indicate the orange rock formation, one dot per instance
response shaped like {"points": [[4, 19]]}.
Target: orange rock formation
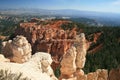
{"points": [[48, 36]]}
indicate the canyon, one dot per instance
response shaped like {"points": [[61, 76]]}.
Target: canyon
{"points": [[43, 46]]}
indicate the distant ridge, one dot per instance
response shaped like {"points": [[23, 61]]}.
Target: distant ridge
{"points": [[65, 12], [102, 17]]}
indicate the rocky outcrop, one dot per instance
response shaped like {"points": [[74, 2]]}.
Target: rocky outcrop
{"points": [[68, 66], [48, 36], [74, 59], [3, 37], [37, 68], [80, 75], [64, 48], [114, 74], [92, 76], [100, 74], [17, 50], [81, 51]]}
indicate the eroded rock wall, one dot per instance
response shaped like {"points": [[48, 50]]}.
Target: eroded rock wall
{"points": [[48, 36]]}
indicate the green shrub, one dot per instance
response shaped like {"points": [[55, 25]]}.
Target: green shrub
{"points": [[7, 75], [57, 72]]}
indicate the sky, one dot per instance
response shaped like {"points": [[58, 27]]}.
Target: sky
{"points": [[86, 5]]}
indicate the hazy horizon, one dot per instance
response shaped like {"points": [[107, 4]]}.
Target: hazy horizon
{"points": [[112, 6]]}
